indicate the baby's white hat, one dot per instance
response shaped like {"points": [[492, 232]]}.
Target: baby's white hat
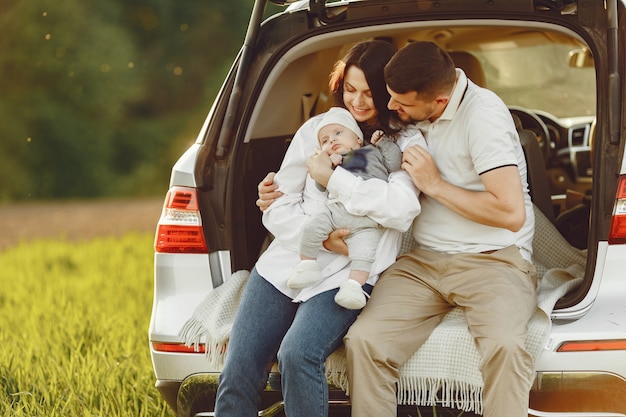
{"points": [[340, 116]]}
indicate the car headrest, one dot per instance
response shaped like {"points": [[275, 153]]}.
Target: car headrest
{"points": [[470, 65]]}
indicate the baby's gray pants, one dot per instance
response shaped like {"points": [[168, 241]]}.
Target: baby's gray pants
{"points": [[362, 242]]}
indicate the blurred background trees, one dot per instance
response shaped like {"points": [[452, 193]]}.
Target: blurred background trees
{"points": [[99, 98]]}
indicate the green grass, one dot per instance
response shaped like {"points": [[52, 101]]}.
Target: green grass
{"points": [[73, 329]]}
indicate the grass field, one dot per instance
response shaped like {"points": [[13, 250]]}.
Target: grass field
{"points": [[73, 328], [75, 308]]}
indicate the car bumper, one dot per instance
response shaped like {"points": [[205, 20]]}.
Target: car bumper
{"points": [[553, 394]]}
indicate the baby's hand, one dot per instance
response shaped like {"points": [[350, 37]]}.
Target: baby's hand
{"points": [[376, 136], [336, 159]]}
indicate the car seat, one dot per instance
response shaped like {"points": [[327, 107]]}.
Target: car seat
{"points": [[470, 65]]}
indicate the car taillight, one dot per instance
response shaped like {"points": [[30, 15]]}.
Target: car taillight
{"points": [[180, 226], [617, 233], [177, 348], [592, 345]]}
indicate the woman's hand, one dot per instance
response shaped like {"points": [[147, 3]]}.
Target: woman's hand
{"points": [[320, 167], [268, 192], [335, 242]]}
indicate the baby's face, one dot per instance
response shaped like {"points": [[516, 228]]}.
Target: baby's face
{"points": [[336, 138]]}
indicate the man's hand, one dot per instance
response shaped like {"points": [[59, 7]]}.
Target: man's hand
{"points": [[422, 169], [335, 242], [268, 192], [320, 167]]}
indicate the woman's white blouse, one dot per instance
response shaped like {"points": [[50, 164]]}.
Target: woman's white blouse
{"points": [[393, 204]]}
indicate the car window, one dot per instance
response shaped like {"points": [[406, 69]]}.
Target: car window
{"points": [[540, 77]]}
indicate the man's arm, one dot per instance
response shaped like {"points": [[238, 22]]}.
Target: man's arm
{"points": [[500, 205]]}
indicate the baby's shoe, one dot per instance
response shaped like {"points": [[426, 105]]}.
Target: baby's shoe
{"points": [[305, 274], [351, 295]]}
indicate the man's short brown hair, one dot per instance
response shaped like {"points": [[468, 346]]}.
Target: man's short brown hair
{"points": [[422, 67]]}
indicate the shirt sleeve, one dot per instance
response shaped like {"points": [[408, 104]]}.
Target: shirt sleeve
{"points": [[285, 217], [393, 204], [492, 136]]}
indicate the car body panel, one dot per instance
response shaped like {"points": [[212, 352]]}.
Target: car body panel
{"points": [[297, 48]]}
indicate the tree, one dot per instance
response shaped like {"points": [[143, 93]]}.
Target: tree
{"points": [[99, 98], [67, 76]]}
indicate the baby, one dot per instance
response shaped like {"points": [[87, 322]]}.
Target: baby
{"points": [[341, 138]]}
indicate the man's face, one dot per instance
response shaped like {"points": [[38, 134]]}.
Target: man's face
{"points": [[412, 108]]}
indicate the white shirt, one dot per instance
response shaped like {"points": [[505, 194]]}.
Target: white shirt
{"points": [[375, 198], [474, 134]]}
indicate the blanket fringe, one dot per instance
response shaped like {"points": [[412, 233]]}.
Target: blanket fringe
{"points": [[438, 391], [336, 372], [191, 333], [414, 390], [195, 334]]}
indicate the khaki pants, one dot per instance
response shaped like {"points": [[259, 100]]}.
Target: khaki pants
{"points": [[498, 293]]}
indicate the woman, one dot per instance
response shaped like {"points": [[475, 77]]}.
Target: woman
{"points": [[303, 327]]}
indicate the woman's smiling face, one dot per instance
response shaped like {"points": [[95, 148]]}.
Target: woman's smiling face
{"points": [[357, 96]]}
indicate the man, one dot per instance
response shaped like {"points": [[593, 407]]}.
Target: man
{"points": [[473, 237]]}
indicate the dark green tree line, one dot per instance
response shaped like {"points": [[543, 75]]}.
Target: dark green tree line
{"points": [[99, 98]]}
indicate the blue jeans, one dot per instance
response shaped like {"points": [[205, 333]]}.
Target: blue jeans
{"points": [[302, 335]]}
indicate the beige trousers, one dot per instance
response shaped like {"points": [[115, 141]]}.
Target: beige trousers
{"points": [[498, 293]]}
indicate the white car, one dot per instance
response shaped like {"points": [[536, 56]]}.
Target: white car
{"points": [[560, 65]]}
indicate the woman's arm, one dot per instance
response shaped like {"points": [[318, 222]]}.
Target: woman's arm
{"points": [[286, 215], [393, 204]]}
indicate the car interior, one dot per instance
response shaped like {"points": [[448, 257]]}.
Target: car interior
{"points": [[535, 70]]}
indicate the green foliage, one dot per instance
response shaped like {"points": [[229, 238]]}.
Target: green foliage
{"points": [[100, 94], [64, 81], [74, 323]]}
